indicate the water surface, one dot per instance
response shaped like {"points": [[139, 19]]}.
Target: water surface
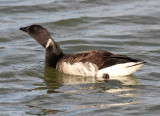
{"points": [[28, 87]]}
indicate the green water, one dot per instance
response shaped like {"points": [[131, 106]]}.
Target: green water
{"points": [[28, 87]]}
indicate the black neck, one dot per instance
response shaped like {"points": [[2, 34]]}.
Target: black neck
{"points": [[53, 55]]}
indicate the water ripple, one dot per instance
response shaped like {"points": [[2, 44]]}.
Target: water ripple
{"points": [[125, 27]]}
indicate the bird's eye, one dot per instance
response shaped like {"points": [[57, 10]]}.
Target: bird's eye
{"points": [[33, 29]]}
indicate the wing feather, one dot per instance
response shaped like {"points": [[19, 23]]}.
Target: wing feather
{"points": [[100, 58]]}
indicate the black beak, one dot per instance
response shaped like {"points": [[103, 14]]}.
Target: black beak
{"points": [[23, 29]]}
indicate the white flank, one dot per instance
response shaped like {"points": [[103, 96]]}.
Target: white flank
{"points": [[83, 69], [48, 43], [120, 69]]}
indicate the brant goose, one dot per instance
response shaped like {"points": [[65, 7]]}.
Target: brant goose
{"points": [[97, 63]]}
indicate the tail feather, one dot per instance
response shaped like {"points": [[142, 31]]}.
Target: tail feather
{"points": [[121, 69], [138, 63]]}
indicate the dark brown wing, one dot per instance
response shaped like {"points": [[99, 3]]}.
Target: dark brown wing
{"points": [[101, 58]]}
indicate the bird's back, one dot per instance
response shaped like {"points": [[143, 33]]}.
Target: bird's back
{"points": [[88, 63]]}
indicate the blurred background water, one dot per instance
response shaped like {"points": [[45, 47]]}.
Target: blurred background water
{"points": [[28, 87]]}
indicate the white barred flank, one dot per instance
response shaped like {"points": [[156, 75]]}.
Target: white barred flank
{"points": [[79, 68]]}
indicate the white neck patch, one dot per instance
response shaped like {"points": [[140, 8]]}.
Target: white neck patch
{"points": [[48, 43]]}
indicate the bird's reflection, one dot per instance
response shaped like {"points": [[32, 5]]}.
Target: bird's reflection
{"points": [[53, 76], [122, 86], [118, 86]]}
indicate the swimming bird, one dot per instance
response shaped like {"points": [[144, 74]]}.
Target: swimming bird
{"points": [[96, 63]]}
